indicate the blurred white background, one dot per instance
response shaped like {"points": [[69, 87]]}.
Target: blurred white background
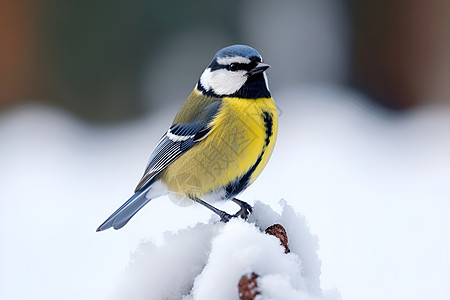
{"points": [[363, 150]]}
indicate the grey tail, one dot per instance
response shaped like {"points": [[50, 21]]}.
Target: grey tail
{"points": [[122, 215]]}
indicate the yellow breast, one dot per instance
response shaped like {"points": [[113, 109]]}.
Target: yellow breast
{"points": [[241, 141]]}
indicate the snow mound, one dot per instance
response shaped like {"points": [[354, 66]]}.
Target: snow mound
{"points": [[206, 261]]}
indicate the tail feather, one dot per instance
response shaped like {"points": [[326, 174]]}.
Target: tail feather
{"points": [[128, 212], [124, 213]]}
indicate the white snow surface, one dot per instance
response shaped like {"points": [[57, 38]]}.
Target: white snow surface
{"points": [[373, 186], [206, 261]]}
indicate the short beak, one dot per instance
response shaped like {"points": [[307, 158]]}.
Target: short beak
{"points": [[260, 67]]}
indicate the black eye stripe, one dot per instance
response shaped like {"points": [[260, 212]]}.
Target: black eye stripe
{"points": [[236, 66]]}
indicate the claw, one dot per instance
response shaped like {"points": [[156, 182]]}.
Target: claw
{"points": [[245, 210], [226, 217]]}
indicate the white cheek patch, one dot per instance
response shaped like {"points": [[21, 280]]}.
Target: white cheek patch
{"points": [[206, 78], [223, 81], [233, 59]]}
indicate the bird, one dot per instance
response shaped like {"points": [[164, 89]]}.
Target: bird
{"points": [[219, 142]]}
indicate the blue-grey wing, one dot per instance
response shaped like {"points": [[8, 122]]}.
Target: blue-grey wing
{"points": [[177, 140]]}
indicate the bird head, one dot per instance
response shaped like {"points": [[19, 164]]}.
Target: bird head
{"points": [[235, 71]]}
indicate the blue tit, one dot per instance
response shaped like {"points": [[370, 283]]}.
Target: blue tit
{"points": [[218, 143]]}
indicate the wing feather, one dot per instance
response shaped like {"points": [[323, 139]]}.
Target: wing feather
{"points": [[177, 140]]}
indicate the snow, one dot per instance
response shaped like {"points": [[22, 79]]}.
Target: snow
{"points": [[206, 261], [373, 187], [168, 271]]}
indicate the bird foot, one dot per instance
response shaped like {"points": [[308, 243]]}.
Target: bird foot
{"points": [[226, 217], [245, 210]]}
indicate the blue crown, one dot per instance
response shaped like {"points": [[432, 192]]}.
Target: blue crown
{"points": [[237, 50]]}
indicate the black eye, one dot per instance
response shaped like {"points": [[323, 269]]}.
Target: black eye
{"points": [[233, 67]]}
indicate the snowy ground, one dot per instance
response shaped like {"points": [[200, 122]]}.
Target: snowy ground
{"points": [[374, 189], [206, 261]]}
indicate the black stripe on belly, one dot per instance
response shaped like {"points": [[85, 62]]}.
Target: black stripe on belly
{"points": [[237, 186]]}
